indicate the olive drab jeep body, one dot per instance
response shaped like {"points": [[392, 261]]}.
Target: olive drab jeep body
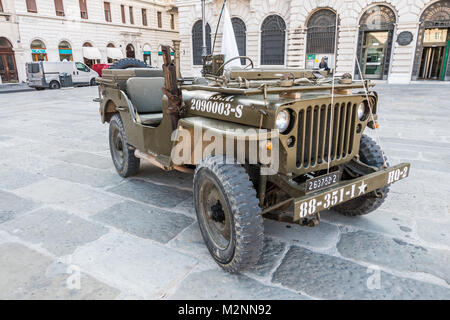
{"points": [[317, 123]]}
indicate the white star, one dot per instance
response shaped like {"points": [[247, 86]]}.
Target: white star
{"points": [[362, 188]]}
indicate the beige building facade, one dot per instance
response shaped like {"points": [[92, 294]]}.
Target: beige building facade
{"points": [[395, 40], [90, 31]]}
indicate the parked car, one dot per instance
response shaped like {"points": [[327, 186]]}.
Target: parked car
{"points": [[99, 67], [45, 74]]}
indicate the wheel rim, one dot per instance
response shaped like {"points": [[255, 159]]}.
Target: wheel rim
{"points": [[117, 147], [215, 213]]}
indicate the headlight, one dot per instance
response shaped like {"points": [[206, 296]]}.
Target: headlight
{"points": [[283, 120], [362, 111]]}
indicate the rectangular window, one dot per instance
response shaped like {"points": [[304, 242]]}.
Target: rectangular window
{"points": [[59, 8], [131, 15], [31, 6], [159, 19], [107, 6], [144, 17], [83, 9], [172, 21], [122, 11]]}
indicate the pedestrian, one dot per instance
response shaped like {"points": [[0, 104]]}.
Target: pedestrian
{"points": [[324, 65]]}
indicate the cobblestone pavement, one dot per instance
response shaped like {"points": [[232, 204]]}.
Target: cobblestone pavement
{"points": [[71, 228]]}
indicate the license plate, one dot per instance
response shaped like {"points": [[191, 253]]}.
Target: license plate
{"points": [[346, 191], [322, 182]]}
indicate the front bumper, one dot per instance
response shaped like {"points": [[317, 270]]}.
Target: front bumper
{"points": [[348, 190]]}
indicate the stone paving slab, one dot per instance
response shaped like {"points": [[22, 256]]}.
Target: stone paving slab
{"points": [[136, 266], [144, 221], [17, 178], [26, 274], [78, 174], [394, 253], [322, 237], [217, 284], [382, 221], [88, 159], [328, 277], [151, 193], [12, 205], [56, 231]]}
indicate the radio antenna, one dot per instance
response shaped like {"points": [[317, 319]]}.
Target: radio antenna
{"points": [[217, 27]]}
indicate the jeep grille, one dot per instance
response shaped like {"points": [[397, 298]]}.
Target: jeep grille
{"points": [[314, 133]]}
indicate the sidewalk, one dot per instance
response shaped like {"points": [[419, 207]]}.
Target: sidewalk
{"points": [[14, 87]]}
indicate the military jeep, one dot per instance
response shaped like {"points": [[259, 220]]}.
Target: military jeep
{"points": [[310, 123]]}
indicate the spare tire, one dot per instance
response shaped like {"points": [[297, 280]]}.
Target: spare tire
{"points": [[128, 63]]}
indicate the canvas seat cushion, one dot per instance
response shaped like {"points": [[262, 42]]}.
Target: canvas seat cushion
{"points": [[146, 94], [151, 119]]}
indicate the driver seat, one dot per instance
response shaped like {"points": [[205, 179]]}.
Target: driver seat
{"points": [[146, 96]]}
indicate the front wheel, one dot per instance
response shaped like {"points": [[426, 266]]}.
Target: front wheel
{"points": [[54, 85], [92, 82], [369, 153], [228, 214], [126, 163]]}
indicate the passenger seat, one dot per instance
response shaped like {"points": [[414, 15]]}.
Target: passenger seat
{"points": [[146, 96]]}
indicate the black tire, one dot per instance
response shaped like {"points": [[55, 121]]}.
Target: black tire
{"points": [[128, 63], [122, 154], [238, 208], [369, 153], [93, 82], [54, 85]]}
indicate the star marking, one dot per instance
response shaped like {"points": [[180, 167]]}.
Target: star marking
{"points": [[362, 188]]}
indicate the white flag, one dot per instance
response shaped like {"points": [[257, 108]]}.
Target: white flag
{"points": [[229, 45]]}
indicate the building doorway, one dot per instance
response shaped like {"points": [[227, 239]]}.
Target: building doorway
{"points": [[374, 51], [435, 53], [8, 68], [376, 32], [130, 51], [432, 58]]}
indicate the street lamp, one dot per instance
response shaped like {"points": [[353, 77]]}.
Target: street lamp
{"points": [[204, 50]]}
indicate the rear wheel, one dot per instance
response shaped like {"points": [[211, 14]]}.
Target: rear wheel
{"points": [[126, 163], [228, 214], [369, 153]]}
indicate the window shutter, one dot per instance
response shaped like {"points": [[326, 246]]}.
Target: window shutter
{"points": [[122, 10], [83, 8], [59, 5], [31, 6]]}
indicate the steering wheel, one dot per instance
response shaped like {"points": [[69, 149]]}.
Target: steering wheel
{"points": [[238, 57]]}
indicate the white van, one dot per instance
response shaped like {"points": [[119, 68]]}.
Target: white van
{"points": [[45, 74]]}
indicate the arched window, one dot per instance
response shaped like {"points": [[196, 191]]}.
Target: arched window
{"points": [[273, 40], [376, 31], [241, 38], [197, 42], [130, 51], [110, 45], [65, 51], [321, 32], [38, 51], [87, 44]]}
